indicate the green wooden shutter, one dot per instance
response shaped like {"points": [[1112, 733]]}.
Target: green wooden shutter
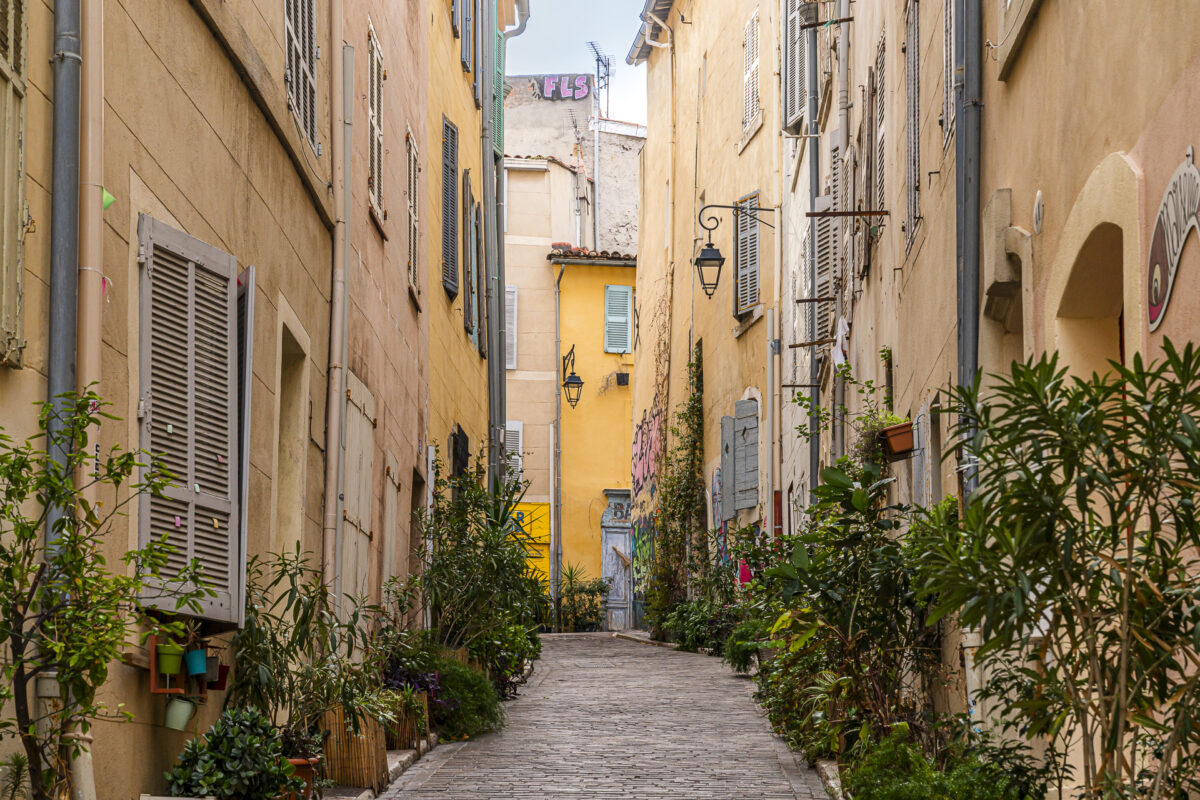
{"points": [[450, 207], [618, 319], [189, 408], [498, 97]]}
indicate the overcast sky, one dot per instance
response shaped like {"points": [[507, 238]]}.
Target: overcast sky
{"points": [[555, 42]]}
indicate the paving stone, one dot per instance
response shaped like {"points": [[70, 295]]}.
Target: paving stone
{"points": [[605, 717]]}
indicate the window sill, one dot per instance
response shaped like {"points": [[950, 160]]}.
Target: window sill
{"points": [[1017, 21], [414, 294], [748, 133], [747, 321], [377, 218]]}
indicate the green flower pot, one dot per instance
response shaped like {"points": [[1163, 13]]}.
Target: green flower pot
{"points": [[170, 658], [179, 713]]}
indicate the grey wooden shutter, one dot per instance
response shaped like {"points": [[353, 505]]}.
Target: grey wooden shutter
{"points": [[747, 261], [414, 232], [880, 128], [450, 207], [618, 319], [455, 23], [498, 96], [514, 431], [391, 515], [468, 254], [13, 215], [750, 62], [948, 108], [467, 43], [189, 407], [824, 288], [375, 120], [481, 275], [301, 71], [245, 374], [745, 447], [795, 87], [510, 327], [360, 486], [728, 470], [912, 122]]}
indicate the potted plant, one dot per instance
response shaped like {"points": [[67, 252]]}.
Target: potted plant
{"points": [[179, 712], [897, 438], [170, 656], [240, 757], [195, 657]]}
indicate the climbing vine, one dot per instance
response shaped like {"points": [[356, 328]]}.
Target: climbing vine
{"points": [[680, 543]]}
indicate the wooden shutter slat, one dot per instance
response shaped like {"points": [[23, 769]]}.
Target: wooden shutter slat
{"points": [[728, 470], [510, 327], [498, 97], [618, 318], [450, 208], [745, 442]]}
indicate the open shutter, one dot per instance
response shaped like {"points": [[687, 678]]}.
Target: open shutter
{"points": [[498, 97], [514, 431], [391, 516], [824, 288], [618, 319], [746, 290], [912, 123], [948, 108], [880, 145], [13, 215], [245, 375], [510, 327], [795, 95], [359, 486], [481, 305], [450, 207], [467, 42], [414, 172], [728, 470], [375, 120], [189, 408], [837, 200], [750, 71], [745, 447], [468, 254]]}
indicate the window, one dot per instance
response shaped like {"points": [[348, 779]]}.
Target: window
{"points": [[513, 453], [747, 261], [948, 107], [750, 72], [449, 207], [618, 319], [795, 65], [912, 123], [13, 87], [470, 278], [466, 51], [510, 327], [301, 72], [195, 338], [376, 77], [414, 195]]}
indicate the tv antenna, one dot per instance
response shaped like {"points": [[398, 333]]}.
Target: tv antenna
{"points": [[603, 73]]}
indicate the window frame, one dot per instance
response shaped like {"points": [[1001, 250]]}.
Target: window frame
{"points": [[751, 76], [14, 214], [300, 50], [376, 75]]}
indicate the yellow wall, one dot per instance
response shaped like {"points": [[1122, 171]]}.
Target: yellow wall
{"points": [[534, 519], [595, 434]]}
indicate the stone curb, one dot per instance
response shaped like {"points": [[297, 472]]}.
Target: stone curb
{"points": [[643, 640], [831, 777]]}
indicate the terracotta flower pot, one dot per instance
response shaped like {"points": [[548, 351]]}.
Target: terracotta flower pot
{"points": [[306, 770], [897, 439]]}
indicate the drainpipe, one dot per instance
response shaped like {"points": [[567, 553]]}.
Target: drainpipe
{"points": [[556, 531], [522, 20], [596, 176], [814, 189], [341, 88], [496, 387], [843, 55], [968, 91]]}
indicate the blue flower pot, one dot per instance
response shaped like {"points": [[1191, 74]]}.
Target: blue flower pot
{"points": [[196, 662]]}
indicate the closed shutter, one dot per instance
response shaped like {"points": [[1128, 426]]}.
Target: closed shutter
{"points": [[481, 305], [13, 87], [414, 231], [750, 63], [189, 408], [456, 16], [795, 87], [948, 107], [245, 382], [837, 200], [747, 261], [912, 123], [498, 97], [468, 251], [728, 470], [824, 288], [450, 207], [466, 51], [301, 71], [880, 128], [510, 327], [375, 120], [391, 517], [359, 488], [618, 319], [514, 453], [870, 167], [745, 448]]}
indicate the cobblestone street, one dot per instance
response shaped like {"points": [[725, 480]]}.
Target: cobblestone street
{"points": [[603, 717]]}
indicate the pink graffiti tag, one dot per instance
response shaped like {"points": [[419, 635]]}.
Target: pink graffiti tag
{"points": [[551, 85]]}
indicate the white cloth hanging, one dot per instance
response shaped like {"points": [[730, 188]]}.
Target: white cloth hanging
{"points": [[841, 343]]}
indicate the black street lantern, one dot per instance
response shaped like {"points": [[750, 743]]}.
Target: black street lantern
{"points": [[573, 385], [708, 268]]}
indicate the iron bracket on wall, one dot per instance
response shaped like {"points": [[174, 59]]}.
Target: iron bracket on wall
{"points": [[715, 220]]}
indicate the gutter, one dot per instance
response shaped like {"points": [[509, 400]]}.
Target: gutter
{"points": [[556, 530], [522, 20], [968, 92], [814, 189]]}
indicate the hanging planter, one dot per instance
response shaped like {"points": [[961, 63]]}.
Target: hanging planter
{"points": [[212, 669], [179, 712], [196, 662], [170, 657], [897, 440]]}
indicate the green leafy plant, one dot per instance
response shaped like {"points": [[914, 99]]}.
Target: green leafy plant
{"points": [[63, 609], [504, 652], [1076, 560], [241, 757], [581, 600], [14, 785], [743, 647], [466, 705], [702, 624]]}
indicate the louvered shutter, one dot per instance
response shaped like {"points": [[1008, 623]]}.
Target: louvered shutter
{"points": [[301, 70], [498, 97], [414, 231], [824, 288], [750, 62], [948, 107], [13, 87], [481, 305], [455, 20], [514, 431], [391, 515], [745, 447], [747, 261], [728, 470], [795, 86], [880, 128], [189, 408], [510, 327], [375, 120], [468, 254], [450, 207], [359, 485], [245, 376], [837, 199], [467, 42], [912, 123], [618, 319]]}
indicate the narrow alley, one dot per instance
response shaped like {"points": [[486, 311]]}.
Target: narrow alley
{"points": [[603, 716]]}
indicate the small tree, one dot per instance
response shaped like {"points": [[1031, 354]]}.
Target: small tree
{"points": [[62, 610], [1077, 560]]}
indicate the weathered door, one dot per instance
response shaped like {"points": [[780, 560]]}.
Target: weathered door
{"points": [[615, 568]]}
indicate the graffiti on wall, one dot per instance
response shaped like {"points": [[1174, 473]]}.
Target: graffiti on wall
{"points": [[647, 454], [560, 87]]}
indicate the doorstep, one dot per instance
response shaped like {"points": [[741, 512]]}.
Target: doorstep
{"points": [[398, 762], [643, 637]]}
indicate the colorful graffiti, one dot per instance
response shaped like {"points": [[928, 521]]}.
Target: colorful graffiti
{"points": [[560, 87], [647, 455]]}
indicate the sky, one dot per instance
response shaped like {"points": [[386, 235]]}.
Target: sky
{"points": [[555, 42]]}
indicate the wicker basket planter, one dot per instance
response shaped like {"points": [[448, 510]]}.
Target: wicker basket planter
{"points": [[355, 759], [404, 733]]}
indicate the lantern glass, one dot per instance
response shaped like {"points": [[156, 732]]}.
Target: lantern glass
{"points": [[708, 268], [573, 387]]}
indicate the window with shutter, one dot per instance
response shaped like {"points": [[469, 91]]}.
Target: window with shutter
{"points": [[880, 119], [470, 300], [745, 458], [450, 207], [514, 454], [912, 123], [498, 97], [795, 58], [466, 53], [245, 380], [948, 107], [728, 470], [360, 488], [618, 319], [13, 87], [479, 39], [375, 120], [824, 288], [750, 60], [481, 276], [456, 17], [837, 201], [414, 195], [747, 256], [391, 516], [189, 404], [510, 327], [301, 71]]}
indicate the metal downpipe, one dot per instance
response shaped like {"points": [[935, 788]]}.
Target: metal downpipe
{"points": [[814, 189], [968, 91]]}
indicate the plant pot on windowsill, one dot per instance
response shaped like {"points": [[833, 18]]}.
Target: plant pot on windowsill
{"points": [[897, 440]]}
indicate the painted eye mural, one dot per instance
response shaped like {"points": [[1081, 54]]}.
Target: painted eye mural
{"points": [[1176, 220]]}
